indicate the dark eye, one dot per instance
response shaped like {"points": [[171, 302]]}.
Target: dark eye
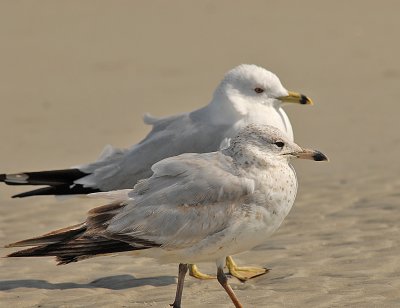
{"points": [[259, 90], [279, 144]]}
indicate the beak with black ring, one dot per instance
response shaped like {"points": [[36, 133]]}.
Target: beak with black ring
{"points": [[311, 155], [296, 98]]}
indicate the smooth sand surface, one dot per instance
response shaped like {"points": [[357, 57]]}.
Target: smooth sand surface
{"points": [[76, 75]]}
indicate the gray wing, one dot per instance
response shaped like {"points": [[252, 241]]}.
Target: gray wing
{"points": [[185, 133], [188, 198]]}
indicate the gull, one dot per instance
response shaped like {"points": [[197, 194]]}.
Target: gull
{"points": [[194, 208], [247, 94]]}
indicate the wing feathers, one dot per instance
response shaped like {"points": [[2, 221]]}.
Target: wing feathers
{"points": [[60, 182], [83, 240], [52, 237], [74, 189], [53, 177]]}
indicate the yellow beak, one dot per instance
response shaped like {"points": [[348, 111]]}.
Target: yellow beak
{"points": [[298, 98]]}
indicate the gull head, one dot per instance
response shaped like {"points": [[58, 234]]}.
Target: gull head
{"points": [[268, 142], [247, 85]]}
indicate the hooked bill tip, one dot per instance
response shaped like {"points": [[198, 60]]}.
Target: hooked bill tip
{"points": [[319, 156]]}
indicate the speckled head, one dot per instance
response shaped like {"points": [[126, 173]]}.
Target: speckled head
{"points": [[272, 142]]}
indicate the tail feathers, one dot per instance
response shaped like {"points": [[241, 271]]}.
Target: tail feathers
{"points": [[76, 250], [82, 241], [52, 237], [60, 182], [48, 243]]}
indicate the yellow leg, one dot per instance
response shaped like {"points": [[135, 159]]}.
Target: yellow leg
{"points": [[244, 273], [195, 272]]}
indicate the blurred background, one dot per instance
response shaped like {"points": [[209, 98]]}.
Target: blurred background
{"points": [[77, 75]]}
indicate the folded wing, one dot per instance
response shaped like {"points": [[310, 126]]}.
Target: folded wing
{"points": [[187, 199]]}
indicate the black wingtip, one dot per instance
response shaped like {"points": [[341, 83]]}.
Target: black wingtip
{"points": [[76, 189], [52, 178]]}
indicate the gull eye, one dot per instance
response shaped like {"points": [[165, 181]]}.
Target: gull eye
{"points": [[259, 90], [279, 144]]}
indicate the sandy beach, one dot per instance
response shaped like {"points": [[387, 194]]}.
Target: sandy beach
{"points": [[75, 76]]}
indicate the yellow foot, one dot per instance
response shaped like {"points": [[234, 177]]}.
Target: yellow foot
{"points": [[244, 273], [194, 272]]}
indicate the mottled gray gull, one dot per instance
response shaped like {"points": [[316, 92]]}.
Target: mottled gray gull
{"points": [[193, 208]]}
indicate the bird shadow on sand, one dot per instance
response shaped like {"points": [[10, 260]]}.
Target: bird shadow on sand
{"points": [[118, 282]]}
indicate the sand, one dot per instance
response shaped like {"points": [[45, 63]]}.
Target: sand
{"points": [[76, 75]]}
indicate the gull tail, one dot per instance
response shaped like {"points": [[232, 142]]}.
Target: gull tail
{"points": [[59, 182], [69, 245], [82, 241]]}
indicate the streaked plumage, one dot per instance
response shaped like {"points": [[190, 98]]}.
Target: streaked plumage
{"points": [[195, 207]]}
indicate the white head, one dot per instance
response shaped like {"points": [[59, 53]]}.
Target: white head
{"points": [[246, 85]]}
